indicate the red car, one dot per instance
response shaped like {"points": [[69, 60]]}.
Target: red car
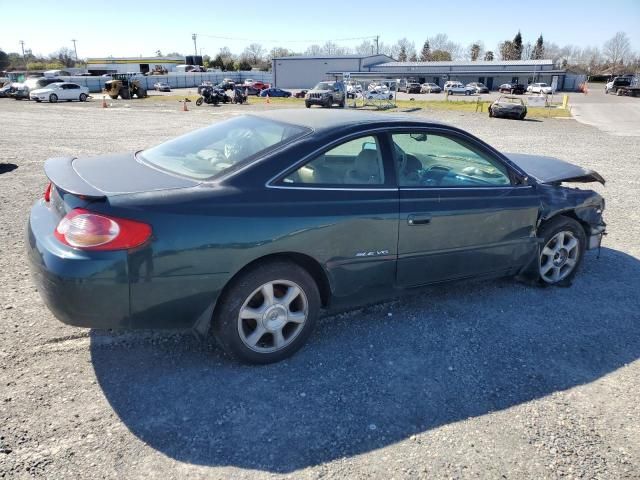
{"points": [[257, 84]]}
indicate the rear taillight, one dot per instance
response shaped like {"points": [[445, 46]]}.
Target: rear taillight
{"points": [[47, 193], [92, 231]]}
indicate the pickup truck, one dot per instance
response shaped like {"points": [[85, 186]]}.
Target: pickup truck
{"points": [[625, 85]]}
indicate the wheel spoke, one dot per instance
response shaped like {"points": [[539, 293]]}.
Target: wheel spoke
{"points": [[248, 312], [297, 317], [256, 335], [547, 266], [278, 339], [267, 293], [548, 251], [291, 295], [559, 241], [556, 274], [571, 244]]}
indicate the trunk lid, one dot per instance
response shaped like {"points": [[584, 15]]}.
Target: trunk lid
{"points": [[553, 170], [109, 175]]}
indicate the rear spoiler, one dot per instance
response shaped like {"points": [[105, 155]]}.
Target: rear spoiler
{"points": [[62, 174]]}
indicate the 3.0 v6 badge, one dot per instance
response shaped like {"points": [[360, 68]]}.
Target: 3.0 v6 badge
{"points": [[374, 253]]}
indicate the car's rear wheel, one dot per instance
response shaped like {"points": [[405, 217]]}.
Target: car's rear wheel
{"points": [[199, 101], [522, 115], [53, 98], [83, 97], [563, 246], [490, 112], [268, 313]]}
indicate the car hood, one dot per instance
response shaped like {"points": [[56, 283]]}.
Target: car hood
{"points": [[553, 170], [109, 175]]}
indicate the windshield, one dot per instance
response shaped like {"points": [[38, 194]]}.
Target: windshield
{"points": [[214, 150], [323, 86]]}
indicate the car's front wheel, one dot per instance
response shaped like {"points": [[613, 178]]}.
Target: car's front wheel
{"points": [[83, 97], [267, 313], [563, 245], [53, 98]]}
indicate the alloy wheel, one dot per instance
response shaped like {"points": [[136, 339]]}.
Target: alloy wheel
{"points": [[273, 316], [559, 257]]}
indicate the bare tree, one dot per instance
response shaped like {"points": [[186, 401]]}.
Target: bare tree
{"points": [[313, 50], [617, 49], [441, 42], [254, 53], [365, 48]]}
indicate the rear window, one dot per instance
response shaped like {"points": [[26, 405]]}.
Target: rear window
{"points": [[218, 149]]}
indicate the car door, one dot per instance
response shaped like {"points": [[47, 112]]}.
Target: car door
{"points": [[63, 91], [347, 196], [463, 211]]}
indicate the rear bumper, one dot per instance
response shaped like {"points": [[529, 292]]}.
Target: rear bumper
{"points": [[84, 289], [114, 290]]}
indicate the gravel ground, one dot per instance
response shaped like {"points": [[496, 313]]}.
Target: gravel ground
{"points": [[476, 380]]}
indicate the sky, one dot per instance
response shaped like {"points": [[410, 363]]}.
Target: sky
{"points": [[141, 27]]}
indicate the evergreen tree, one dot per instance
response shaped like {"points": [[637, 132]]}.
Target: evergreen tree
{"points": [[517, 46], [538, 50], [402, 56], [425, 54], [488, 57]]}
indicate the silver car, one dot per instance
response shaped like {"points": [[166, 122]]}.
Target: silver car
{"points": [[430, 88]]}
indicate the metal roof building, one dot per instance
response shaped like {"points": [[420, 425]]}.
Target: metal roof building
{"points": [[99, 66], [304, 72]]}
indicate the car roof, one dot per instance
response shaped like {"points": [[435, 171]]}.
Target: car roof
{"points": [[324, 119]]}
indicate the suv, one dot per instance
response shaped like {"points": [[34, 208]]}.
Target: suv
{"points": [[326, 94], [413, 87]]}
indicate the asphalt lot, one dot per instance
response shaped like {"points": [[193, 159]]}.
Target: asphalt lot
{"points": [[491, 379], [612, 114]]}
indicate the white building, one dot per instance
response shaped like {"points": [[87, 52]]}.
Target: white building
{"points": [[305, 72], [99, 66]]}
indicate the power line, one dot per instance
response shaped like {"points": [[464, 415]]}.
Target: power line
{"points": [[219, 37]]}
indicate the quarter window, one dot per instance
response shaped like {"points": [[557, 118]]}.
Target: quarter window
{"points": [[356, 162], [431, 160]]}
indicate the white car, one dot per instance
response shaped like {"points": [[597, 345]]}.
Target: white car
{"points": [[380, 93], [539, 88], [458, 87], [60, 91]]}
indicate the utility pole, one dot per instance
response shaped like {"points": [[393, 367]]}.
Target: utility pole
{"points": [[23, 57], [75, 49], [195, 46], [377, 44]]}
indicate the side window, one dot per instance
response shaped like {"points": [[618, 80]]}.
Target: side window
{"points": [[356, 162], [432, 160]]}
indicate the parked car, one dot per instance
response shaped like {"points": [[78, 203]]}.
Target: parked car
{"points": [[275, 92], [542, 88], [176, 236], [6, 90], [508, 106], [256, 84], [300, 93], [617, 82], [512, 88], [226, 84], [430, 88], [381, 93], [478, 87], [354, 90], [21, 90], [413, 88], [326, 94], [162, 86], [458, 88], [60, 91]]}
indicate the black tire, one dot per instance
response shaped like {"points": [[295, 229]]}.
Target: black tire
{"points": [[124, 94], [522, 115], [141, 92], [225, 322], [490, 112], [342, 103], [307, 104], [53, 98], [83, 97], [199, 101], [467, 92], [550, 229], [328, 103], [113, 97]]}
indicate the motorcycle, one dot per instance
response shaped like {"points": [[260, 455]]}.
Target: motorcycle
{"points": [[239, 96], [212, 96]]}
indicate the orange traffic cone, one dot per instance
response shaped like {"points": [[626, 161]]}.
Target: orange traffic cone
{"points": [[104, 102], [184, 105]]}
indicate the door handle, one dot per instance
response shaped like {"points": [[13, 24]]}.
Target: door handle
{"points": [[421, 219]]}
